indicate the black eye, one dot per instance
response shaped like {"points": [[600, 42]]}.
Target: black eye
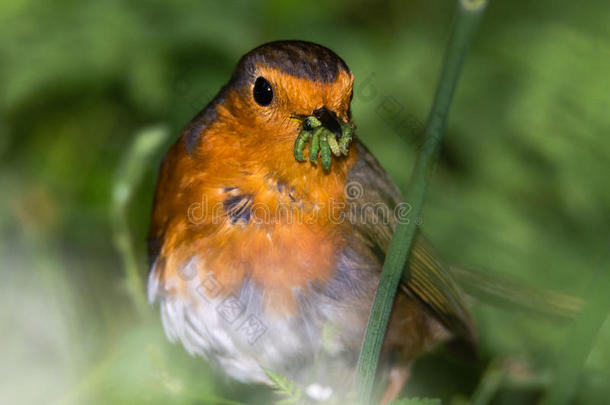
{"points": [[263, 93]]}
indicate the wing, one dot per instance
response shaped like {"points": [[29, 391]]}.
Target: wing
{"points": [[429, 280]]}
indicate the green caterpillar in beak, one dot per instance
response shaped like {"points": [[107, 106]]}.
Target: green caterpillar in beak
{"points": [[322, 141]]}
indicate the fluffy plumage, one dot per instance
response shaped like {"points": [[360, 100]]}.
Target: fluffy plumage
{"points": [[259, 260]]}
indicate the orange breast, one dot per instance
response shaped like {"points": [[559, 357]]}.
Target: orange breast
{"points": [[245, 213]]}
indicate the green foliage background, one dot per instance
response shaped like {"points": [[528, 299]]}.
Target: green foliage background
{"points": [[522, 188]]}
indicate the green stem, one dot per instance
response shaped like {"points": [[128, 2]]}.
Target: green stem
{"points": [[489, 384], [128, 177], [580, 340], [468, 16]]}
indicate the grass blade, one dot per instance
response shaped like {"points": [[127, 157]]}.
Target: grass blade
{"points": [[128, 177], [468, 16], [580, 340]]}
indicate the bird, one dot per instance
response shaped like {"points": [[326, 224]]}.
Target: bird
{"points": [[269, 229]]}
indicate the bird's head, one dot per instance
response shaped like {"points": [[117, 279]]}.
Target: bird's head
{"points": [[281, 88]]}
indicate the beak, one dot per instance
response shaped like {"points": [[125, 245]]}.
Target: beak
{"points": [[329, 120], [316, 128]]}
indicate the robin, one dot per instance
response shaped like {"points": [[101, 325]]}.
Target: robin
{"points": [[269, 230]]}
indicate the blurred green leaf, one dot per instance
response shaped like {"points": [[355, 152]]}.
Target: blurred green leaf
{"points": [[284, 387]]}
